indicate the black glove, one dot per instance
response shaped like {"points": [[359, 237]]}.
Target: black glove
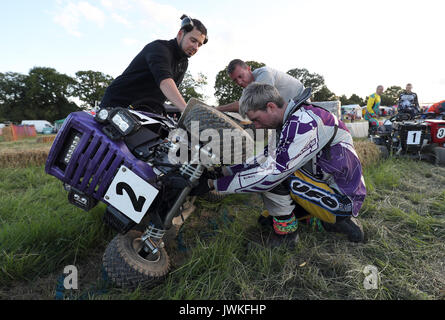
{"points": [[215, 173], [202, 187]]}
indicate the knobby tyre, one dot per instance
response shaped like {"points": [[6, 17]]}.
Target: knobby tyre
{"points": [[127, 268]]}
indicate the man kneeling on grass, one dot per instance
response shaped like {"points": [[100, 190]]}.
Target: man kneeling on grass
{"points": [[313, 172]]}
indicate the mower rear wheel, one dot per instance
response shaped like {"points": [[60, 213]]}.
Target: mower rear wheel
{"points": [[209, 118], [384, 152], [439, 156]]}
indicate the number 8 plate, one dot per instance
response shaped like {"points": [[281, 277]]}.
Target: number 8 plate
{"points": [[130, 194]]}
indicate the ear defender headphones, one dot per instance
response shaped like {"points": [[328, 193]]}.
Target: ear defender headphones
{"points": [[188, 25]]}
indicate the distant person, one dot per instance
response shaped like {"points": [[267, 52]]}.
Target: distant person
{"points": [[372, 107], [156, 72], [240, 73], [408, 101]]}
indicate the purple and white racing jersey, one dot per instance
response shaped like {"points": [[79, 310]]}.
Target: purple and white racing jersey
{"points": [[303, 136]]}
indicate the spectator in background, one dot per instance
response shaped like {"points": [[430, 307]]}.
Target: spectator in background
{"points": [[372, 107], [240, 73], [408, 101]]}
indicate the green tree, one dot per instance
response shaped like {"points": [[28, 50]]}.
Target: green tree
{"points": [[390, 96], [324, 94], [90, 86], [344, 100], [47, 94], [308, 79], [42, 94], [191, 87], [353, 99], [226, 91], [12, 95], [320, 91]]}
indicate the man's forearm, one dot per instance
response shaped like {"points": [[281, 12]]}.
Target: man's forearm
{"points": [[171, 92], [231, 107]]}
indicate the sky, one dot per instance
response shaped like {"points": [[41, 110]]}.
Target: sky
{"points": [[354, 45]]}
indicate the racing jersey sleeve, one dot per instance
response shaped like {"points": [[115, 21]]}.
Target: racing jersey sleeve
{"points": [[250, 163], [371, 103], [299, 142]]}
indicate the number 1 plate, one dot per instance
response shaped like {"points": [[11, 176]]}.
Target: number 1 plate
{"points": [[414, 137], [130, 194]]}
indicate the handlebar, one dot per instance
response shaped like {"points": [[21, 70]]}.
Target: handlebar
{"points": [[402, 116]]}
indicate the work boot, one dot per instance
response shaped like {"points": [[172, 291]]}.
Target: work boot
{"points": [[265, 219], [276, 240], [348, 226]]}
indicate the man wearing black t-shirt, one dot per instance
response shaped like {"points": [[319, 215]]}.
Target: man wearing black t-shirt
{"points": [[156, 72]]}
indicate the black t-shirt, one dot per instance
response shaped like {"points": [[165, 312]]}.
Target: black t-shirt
{"points": [[408, 100], [139, 83]]}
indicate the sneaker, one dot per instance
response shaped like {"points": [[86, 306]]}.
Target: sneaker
{"points": [[348, 226]]}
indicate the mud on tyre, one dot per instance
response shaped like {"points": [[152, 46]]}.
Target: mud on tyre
{"points": [[213, 196], [210, 118], [126, 268]]}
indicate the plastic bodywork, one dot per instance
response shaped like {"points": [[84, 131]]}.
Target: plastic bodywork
{"points": [[94, 161]]}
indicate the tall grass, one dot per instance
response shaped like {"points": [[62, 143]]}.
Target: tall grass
{"points": [[404, 240], [39, 232], [219, 255]]}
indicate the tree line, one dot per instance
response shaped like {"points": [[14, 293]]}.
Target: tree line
{"points": [[226, 91], [47, 94], [44, 93]]}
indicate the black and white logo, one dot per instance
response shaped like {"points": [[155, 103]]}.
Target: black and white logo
{"points": [[315, 195], [440, 133]]}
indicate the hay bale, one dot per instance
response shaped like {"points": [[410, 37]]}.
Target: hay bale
{"points": [[367, 152], [23, 158], [8, 133], [46, 139]]}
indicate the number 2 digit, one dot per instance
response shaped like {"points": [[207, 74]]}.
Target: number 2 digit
{"points": [[137, 203]]}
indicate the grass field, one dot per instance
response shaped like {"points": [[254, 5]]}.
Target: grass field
{"points": [[214, 256]]}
